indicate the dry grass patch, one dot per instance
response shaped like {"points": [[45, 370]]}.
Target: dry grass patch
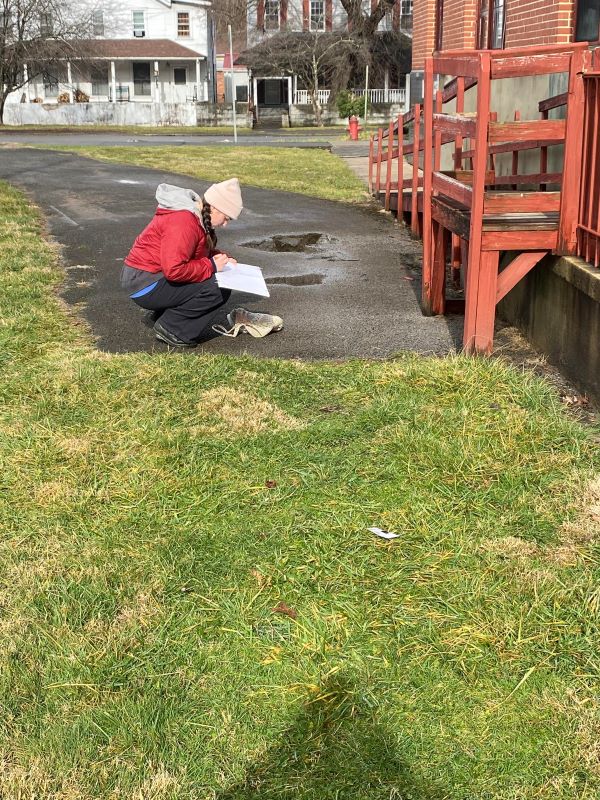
{"points": [[577, 536], [239, 412], [32, 782], [510, 547], [157, 787]]}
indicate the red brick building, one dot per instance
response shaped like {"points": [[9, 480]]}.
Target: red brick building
{"points": [[497, 24]]}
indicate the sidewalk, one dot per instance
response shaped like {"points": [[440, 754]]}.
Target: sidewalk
{"points": [[356, 156], [346, 283]]}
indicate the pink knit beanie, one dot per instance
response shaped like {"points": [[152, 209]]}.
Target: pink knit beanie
{"points": [[225, 197]]}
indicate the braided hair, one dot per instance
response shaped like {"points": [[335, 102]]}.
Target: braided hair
{"points": [[207, 225]]}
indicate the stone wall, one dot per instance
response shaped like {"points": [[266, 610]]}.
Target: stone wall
{"points": [[378, 114], [216, 114], [151, 114]]}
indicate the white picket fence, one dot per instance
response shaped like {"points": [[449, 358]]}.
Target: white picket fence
{"points": [[302, 96]]}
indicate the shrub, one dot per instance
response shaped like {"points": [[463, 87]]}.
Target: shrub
{"points": [[348, 104]]}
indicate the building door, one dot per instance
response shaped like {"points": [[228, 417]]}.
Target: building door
{"points": [[142, 86], [272, 92]]}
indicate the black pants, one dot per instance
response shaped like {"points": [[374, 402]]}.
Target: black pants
{"points": [[188, 309]]}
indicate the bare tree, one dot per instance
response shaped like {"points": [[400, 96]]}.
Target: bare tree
{"points": [[36, 36], [313, 56], [336, 59], [363, 21]]}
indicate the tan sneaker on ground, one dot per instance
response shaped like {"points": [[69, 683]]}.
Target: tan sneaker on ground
{"points": [[256, 324]]}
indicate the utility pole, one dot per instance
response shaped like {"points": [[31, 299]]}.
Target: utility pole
{"points": [[232, 85]]}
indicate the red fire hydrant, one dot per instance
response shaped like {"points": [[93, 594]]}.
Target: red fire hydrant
{"points": [[353, 128]]}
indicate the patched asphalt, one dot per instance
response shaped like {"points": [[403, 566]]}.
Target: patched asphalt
{"points": [[351, 294]]}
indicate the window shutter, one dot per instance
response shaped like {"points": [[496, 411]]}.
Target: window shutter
{"points": [[260, 14], [328, 15], [283, 11], [305, 15]]}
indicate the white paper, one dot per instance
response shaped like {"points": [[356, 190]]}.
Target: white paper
{"points": [[243, 278], [383, 534]]}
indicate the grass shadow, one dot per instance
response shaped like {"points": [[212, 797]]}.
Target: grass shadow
{"points": [[334, 750]]}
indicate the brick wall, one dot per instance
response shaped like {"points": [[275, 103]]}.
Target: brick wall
{"points": [[423, 31], [539, 22], [528, 22], [460, 24]]}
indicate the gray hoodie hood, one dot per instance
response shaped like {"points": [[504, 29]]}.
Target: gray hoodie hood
{"points": [[174, 198]]}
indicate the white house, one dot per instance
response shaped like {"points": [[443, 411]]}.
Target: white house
{"points": [[143, 52]]}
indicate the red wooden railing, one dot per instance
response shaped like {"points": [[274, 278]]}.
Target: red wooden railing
{"points": [[471, 213], [588, 227]]}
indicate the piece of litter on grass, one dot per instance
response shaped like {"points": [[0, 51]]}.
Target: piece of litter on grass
{"points": [[283, 608], [384, 534]]}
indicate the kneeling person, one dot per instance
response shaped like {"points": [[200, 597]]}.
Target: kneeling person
{"points": [[171, 267]]}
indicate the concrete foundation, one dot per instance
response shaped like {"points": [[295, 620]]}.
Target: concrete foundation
{"points": [[557, 306]]}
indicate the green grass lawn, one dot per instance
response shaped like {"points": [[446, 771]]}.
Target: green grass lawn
{"points": [[317, 173], [192, 608]]}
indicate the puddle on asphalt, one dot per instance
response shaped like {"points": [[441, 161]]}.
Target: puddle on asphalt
{"points": [[290, 243], [297, 280]]}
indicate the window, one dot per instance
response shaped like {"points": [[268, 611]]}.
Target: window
{"points": [[387, 23], [98, 22], [439, 24], [491, 25], [141, 78], [180, 76], [99, 80], [183, 23], [497, 30], [587, 21], [406, 14], [272, 15], [50, 85], [45, 24], [317, 15], [241, 94], [5, 24], [139, 24]]}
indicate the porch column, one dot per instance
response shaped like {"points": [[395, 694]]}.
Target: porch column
{"points": [[386, 85], [70, 82], [113, 81], [254, 91], [26, 84], [290, 97], [198, 93], [407, 92], [156, 91], [295, 89]]}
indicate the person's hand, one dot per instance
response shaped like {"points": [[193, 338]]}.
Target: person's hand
{"points": [[220, 260], [232, 260]]}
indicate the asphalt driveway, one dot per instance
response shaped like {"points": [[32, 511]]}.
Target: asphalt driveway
{"points": [[352, 292]]}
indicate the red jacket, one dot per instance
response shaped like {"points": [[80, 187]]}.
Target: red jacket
{"points": [[175, 244]]}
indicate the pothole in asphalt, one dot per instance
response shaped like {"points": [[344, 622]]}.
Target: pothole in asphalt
{"points": [[290, 243], [297, 280]]}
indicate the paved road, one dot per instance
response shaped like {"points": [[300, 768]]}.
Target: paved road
{"points": [[352, 294], [107, 139]]}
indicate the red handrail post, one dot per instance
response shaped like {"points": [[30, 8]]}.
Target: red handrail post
{"points": [[414, 199], [569, 199], [378, 171], [400, 201], [371, 147], [427, 176], [482, 270], [388, 166]]}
